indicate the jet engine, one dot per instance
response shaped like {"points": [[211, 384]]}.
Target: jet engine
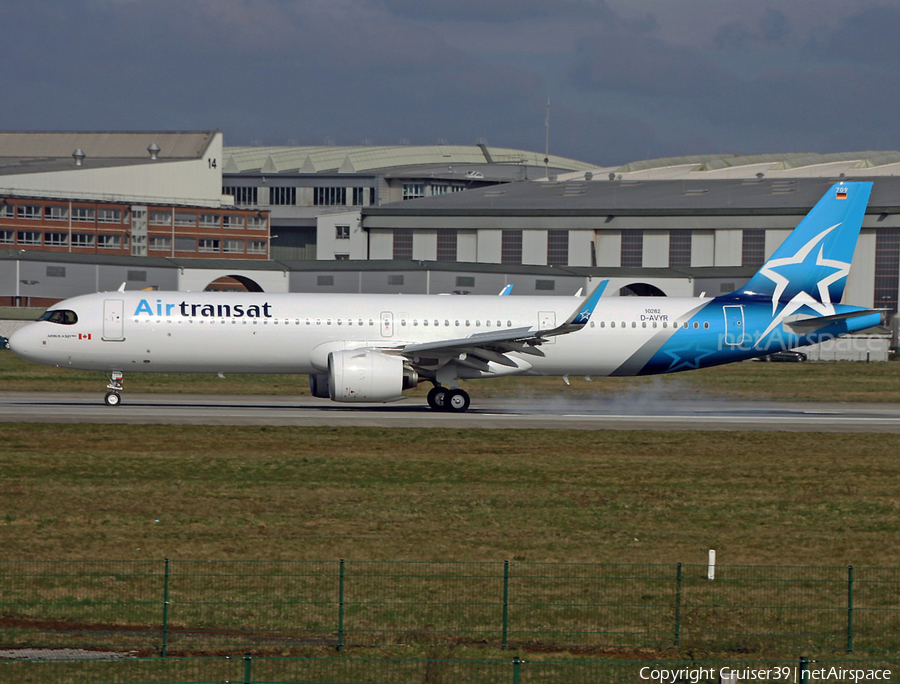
{"points": [[368, 376]]}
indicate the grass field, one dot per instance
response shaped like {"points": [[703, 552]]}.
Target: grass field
{"points": [[842, 381], [150, 492]]}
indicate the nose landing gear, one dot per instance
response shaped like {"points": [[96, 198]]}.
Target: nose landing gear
{"points": [[114, 396]]}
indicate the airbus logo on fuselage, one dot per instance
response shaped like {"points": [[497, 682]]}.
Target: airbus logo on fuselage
{"points": [[144, 308]]}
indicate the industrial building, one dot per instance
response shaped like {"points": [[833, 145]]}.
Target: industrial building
{"points": [[116, 194]]}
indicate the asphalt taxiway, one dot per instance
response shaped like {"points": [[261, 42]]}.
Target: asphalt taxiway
{"points": [[595, 413]]}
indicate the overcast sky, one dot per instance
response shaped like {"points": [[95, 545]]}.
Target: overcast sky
{"points": [[627, 79]]}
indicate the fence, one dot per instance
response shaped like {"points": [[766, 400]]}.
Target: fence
{"points": [[185, 607], [255, 670]]}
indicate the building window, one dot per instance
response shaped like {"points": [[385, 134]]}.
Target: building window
{"points": [[209, 245], [109, 216], [137, 276], [440, 189], [7, 237], [342, 232], [184, 219], [210, 220], [56, 271], [283, 196], [56, 239], [465, 281], [29, 211], [544, 284], [680, 248], [256, 247], [395, 280], [246, 196], [403, 243], [233, 247], [446, 245], [342, 257], [83, 240], [887, 267], [753, 248], [234, 222], [511, 247], [29, 237], [52, 213], [83, 214], [185, 244], [7, 210], [413, 190], [109, 241], [329, 197], [256, 223], [632, 248], [160, 218], [359, 196], [558, 247], [325, 280], [160, 244]]}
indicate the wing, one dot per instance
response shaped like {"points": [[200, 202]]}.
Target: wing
{"points": [[479, 349]]}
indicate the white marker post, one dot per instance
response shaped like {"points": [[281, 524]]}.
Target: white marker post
{"points": [[711, 569]]}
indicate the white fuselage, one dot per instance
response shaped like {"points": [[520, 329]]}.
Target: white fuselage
{"points": [[293, 333]]}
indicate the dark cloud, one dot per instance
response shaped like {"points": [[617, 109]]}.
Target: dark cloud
{"points": [[501, 11], [773, 29], [635, 63], [628, 80]]}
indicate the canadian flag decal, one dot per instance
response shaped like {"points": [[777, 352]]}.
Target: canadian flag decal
{"points": [[82, 336]]}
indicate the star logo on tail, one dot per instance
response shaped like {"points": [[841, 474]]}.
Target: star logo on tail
{"points": [[803, 280]]}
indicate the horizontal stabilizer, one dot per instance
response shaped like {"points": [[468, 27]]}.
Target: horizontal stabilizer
{"points": [[806, 324]]}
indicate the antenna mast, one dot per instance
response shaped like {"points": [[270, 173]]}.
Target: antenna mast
{"points": [[547, 141]]}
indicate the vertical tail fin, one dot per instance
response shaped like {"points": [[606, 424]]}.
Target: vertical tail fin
{"points": [[811, 266]]}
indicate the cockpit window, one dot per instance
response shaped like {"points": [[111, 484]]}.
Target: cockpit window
{"points": [[61, 316]]}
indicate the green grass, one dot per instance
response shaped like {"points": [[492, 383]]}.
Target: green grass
{"points": [[241, 493], [231, 494], [839, 381]]}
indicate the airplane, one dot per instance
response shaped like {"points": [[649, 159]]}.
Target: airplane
{"points": [[370, 348]]}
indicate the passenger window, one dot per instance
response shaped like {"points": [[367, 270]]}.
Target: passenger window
{"points": [[706, 325], [696, 325], [654, 324], [477, 324], [403, 322], [602, 324], [425, 322], [633, 324], [612, 324], [457, 324], [644, 324], [467, 323]]}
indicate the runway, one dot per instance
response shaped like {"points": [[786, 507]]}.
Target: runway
{"points": [[556, 413]]}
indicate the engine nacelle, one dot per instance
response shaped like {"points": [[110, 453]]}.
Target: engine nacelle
{"points": [[367, 376], [318, 385]]}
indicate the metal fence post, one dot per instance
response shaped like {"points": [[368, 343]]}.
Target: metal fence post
{"points": [[505, 604], [248, 660], [517, 664], [678, 576], [165, 616], [340, 644], [849, 608]]}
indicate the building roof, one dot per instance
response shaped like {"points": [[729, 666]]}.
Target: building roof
{"points": [[639, 198], [367, 159], [23, 152], [777, 165]]}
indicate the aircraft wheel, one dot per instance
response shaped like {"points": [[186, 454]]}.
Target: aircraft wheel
{"points": [[457, 401], [112, 399], [437, 398]]}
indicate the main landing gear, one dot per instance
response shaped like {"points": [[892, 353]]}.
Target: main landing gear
{"points": [[452, 400], [114, 396]]}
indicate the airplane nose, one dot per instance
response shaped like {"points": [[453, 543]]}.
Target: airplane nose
{"points": [[18, 341]]}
